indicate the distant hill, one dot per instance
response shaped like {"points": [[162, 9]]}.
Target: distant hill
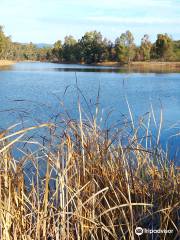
{"points": [[38, 45], [43, 45]]}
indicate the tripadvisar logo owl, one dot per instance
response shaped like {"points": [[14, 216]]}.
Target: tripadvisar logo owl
{"points": [[138, 231]]}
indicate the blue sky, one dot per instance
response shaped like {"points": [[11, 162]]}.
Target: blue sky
{"points": [[49, 20]]}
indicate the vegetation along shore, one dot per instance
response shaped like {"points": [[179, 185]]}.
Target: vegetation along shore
{"points": [[142, 64], [149, 66], [93, 48]]}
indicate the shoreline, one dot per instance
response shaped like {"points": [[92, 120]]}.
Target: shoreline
{"points": [[140, 64], [151, 66], [4, 63], [156, 66]]}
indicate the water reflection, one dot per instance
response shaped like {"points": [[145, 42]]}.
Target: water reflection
{"points": [[38, 66]]}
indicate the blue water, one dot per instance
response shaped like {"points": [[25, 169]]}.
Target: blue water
{"points": [[33, 92]]}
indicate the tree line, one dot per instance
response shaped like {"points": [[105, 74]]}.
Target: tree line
{"points": [[94, 48], [17, 51]]}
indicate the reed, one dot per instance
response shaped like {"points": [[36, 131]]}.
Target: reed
{"points": [[86, 183]]}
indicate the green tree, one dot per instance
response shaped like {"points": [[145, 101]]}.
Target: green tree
{"points": [[125, 47], [30, 51], [42, 54], [70, 49], [164, 47], [111, 51], [176, 48], [92, 47], [145, 48], [5, 45], [105, 50], [57, 51]]}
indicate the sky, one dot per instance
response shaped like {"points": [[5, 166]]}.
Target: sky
{"points": [[46, 21]]}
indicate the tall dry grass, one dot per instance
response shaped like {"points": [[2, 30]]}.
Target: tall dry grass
{"points": [[86, 183]]}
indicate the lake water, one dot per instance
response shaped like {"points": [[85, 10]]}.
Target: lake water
{"points": [[33, 91]]}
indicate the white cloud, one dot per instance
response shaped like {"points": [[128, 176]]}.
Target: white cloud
{"points": [[124, 3], [134, 20], [48, 19]]}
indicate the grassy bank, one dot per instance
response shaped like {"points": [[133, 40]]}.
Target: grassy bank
{"points": [[86, 184], [144, 65], [6, 63], [155, 66]]}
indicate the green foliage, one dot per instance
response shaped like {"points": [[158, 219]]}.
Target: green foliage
{"points": [[111, 51], [57, 50], [5, 45], [70, 49], [30, 52], [145, 48], [125, 47], [176, 48], [164, 47], [92, 45]]}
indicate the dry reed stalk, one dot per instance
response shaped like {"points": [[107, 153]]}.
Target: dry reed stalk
{"points": [[92, 187]]}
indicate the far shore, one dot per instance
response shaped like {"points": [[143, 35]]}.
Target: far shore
{"points": [[151, 65]]}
